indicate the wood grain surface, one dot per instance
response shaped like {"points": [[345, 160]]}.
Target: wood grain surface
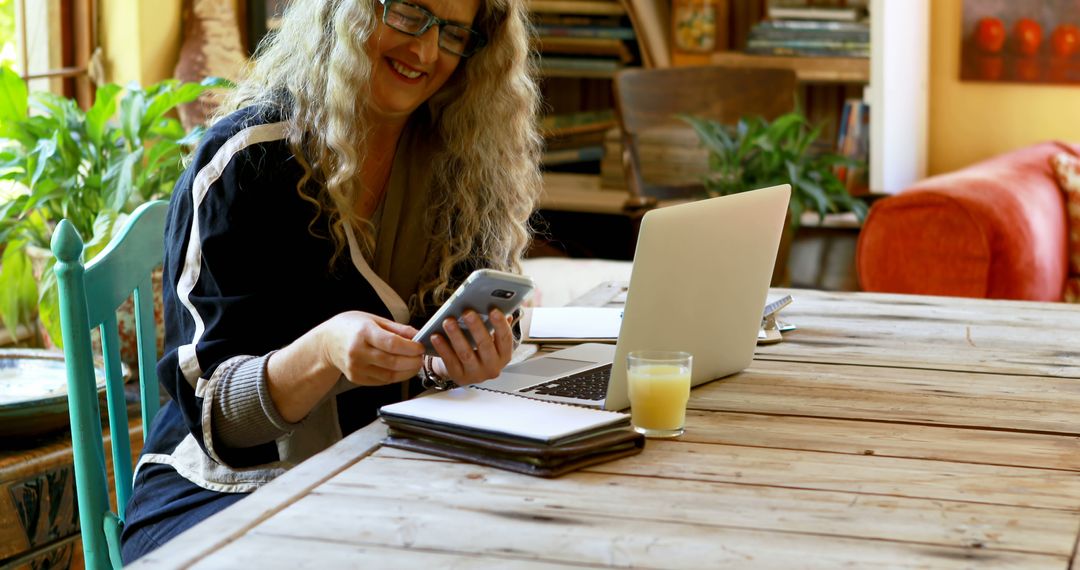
{"points": [[886, 431]]}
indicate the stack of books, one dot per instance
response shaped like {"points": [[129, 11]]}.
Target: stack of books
{"points": [[670, 156], [812, 28], [575, 137], [583, 38]]}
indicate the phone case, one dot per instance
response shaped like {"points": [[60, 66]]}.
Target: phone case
{"points": [[483, 290]]}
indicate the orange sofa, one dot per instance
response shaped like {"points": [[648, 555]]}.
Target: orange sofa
{"points": [[996, 229]]}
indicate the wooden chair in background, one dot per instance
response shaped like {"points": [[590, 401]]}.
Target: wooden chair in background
{"points": [[89, 298], [649, 100]]}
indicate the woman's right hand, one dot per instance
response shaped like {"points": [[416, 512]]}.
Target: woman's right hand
{"points": [[371, 350], [367, 349]]}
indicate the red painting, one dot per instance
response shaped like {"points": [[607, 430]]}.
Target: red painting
{"points": [[1032, 41]]}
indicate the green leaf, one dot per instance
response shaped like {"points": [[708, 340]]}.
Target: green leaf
{"points": [[18, 290], [192, 138], [217, 82], [101, 113], [104, 225], [62, 110], [131, 115], [13, 97], [796, 208], [49, 305], [166, 128], [44, 152], [861, 209], [708, 132], [120, 181], [815, 193], [169, 99]]}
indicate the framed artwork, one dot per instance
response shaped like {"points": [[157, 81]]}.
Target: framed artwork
{"points": [[1034, 41]]}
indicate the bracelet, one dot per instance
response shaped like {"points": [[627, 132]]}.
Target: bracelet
{"points": [[430, 379]]}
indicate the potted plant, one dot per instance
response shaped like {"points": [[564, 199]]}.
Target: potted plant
{"points": [[92, 167], [757, 153]]}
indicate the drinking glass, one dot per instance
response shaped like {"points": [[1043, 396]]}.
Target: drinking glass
{"points": [[659, 386]]}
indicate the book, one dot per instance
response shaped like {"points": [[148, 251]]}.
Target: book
{"points": [[621, 32], [806, 51], [851, 14], [567, 45], [853, 143], [509, 431], [577, 20], [588, 7], [813, 26], [578, 122], [572, 155]]}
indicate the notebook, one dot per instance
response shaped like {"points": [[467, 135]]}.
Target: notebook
{"points": [[509, 432], [552, 325], [505, 416], [700, 279]]}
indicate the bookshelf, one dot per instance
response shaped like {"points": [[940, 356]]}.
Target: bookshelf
{"points": [[580, 45], [580, 7], [807, 69], [893, 81]]}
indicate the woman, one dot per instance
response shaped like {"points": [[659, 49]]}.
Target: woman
{"points": [[378, 152]]}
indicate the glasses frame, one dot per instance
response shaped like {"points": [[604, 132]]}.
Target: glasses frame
{"points": [[433, 20]]}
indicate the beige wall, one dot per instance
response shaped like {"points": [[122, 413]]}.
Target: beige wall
{"points": [[970, 121], [140, 39]]}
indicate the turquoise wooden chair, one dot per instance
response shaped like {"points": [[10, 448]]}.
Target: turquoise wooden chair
{"points": [[89, 297]]}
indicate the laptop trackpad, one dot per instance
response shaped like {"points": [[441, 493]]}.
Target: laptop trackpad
{"points": [[546, 367]]}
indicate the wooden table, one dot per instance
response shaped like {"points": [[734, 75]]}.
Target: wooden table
{"points": [[888, 431]]}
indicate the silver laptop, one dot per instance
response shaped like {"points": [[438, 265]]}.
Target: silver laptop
{"points": [[699, 282]]}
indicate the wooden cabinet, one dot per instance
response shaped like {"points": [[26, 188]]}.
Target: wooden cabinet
{"points": [[39, 519]]}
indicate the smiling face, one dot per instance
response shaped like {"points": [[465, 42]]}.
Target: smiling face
{"points": [[409, 70]]}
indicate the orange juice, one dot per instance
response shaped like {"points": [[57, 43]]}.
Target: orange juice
{"points": [[658, 396]]}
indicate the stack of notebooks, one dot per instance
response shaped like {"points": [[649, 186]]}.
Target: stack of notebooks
{"points": [[510, 432]]}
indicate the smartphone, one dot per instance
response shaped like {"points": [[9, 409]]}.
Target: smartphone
{"points": [[484, 290]]}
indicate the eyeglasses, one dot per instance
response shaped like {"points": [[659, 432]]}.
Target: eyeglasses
{"points": [[416, 21]]}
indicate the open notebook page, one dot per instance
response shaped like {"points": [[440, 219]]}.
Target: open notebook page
{"points": [[502, 413]]}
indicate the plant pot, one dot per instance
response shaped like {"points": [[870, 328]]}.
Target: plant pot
{"points": [[125, 316]]}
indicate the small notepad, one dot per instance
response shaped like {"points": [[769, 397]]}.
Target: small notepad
{"points": [[573, 324], [477, 409]]}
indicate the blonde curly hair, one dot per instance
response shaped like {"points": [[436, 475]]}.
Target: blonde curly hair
{"points": [[485, 176]]}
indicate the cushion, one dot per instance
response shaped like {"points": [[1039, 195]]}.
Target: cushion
{"points": [[1067, 170], [995, 229]]}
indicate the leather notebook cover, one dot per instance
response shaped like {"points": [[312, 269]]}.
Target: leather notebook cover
{"points": [[530, 459], [509, 431]]}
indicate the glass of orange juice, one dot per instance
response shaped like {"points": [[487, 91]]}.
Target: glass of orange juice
{"points": [[659, 385]]}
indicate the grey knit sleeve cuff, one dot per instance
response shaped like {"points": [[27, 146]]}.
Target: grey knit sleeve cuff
{"points": [[243, 415]]}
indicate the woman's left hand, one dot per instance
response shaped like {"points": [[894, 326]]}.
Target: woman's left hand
{"points": [[464, 365]]}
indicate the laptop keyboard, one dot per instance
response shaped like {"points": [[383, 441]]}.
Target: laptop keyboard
{"points": [[587, 385]]}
